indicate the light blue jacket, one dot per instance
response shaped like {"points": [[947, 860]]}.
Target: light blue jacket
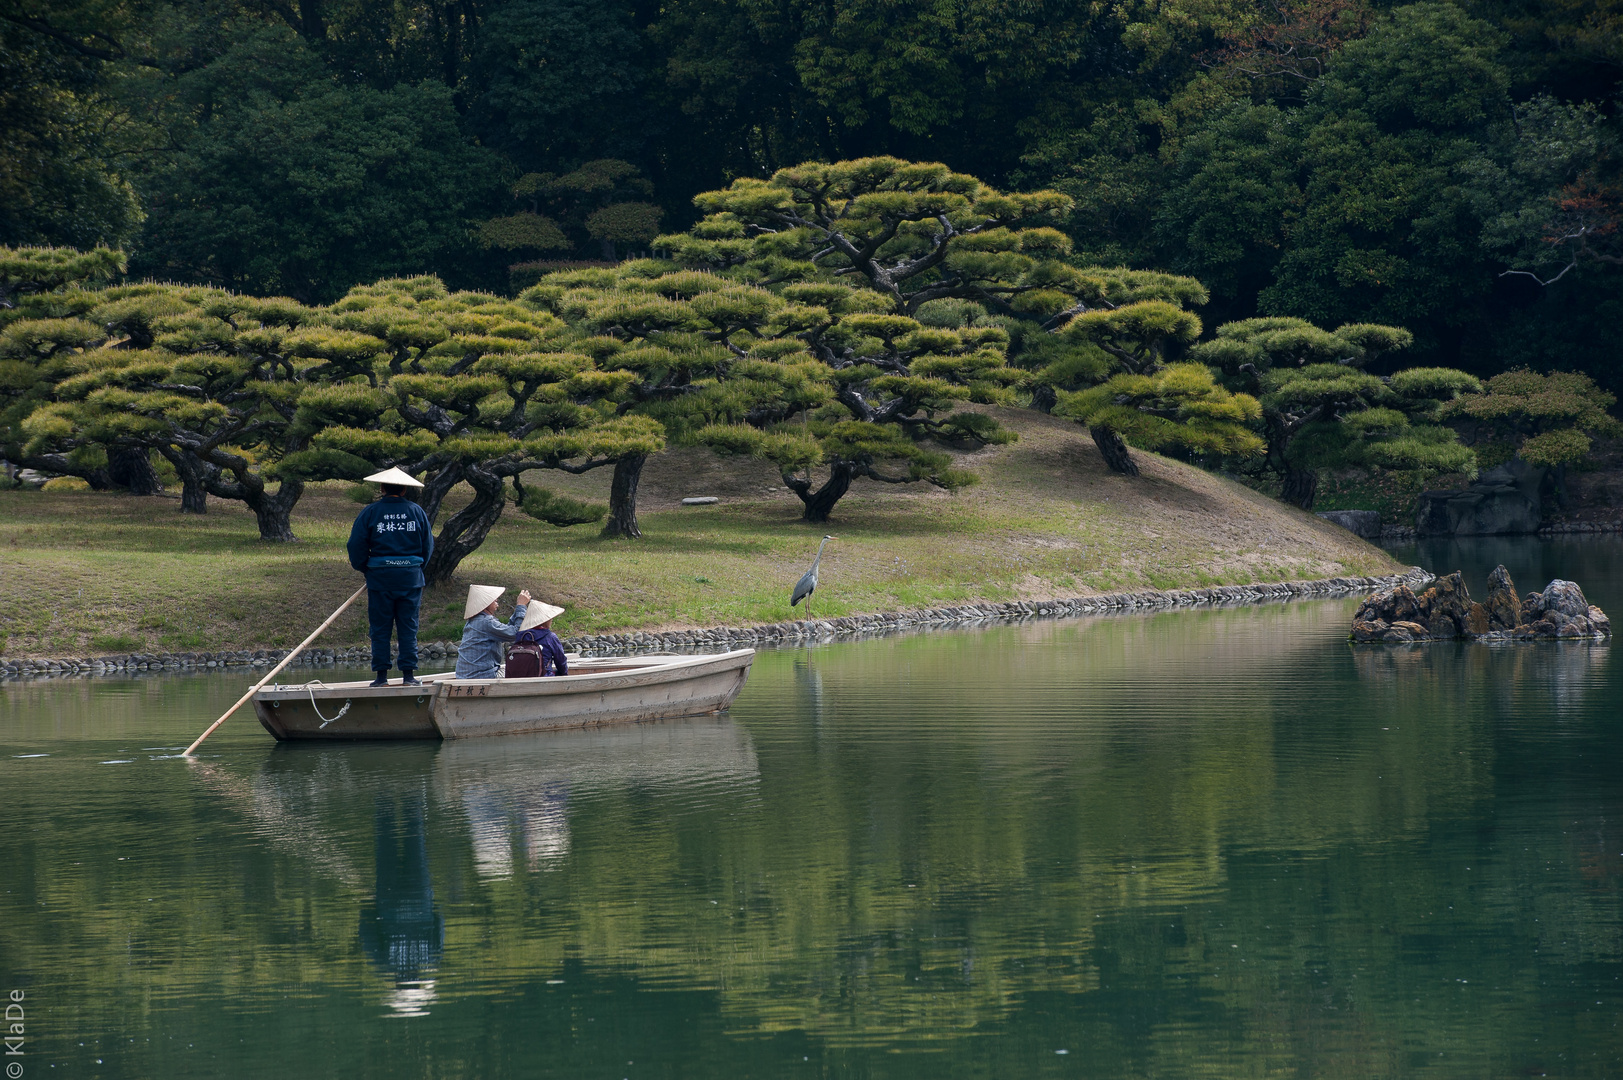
{"points": [[480, 654]]}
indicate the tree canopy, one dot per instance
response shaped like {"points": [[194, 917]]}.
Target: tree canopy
{"points": [[1451, 169], [1545, 419], [852, 281], [1320, 408]]}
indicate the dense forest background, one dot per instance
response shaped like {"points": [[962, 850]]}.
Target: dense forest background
{"points": [[1450, 168]]}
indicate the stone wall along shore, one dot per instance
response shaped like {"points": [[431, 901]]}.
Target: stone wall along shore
{"points": [[1401, 533], [721, 638]]}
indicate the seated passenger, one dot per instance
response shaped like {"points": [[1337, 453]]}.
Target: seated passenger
{"points": [[479, 656], [537, 651]]}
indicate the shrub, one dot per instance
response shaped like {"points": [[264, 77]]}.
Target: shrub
{"points": [[523, 275], [559, 510], [66, 483]]}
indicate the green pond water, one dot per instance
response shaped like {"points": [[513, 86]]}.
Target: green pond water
{"points": [[1220, 843]]}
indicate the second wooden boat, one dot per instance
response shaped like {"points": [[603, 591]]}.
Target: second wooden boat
{"points": [[596, 692]]}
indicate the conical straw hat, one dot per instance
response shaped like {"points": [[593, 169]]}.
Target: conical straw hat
{"points": [[479, 598], [538, 613], [394, 476]]}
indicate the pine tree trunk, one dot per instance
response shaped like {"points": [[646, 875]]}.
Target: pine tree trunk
{"points": [[433, 492], [194, 475], [272, 510], [275, 512], [1300, 487], [468, 528], [132, 469], [1113, 450], [623, 497], [194, 495], [819, 504], [193, 481]]}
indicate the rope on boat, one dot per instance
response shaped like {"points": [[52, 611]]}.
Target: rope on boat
{"points": [[325, 720]]}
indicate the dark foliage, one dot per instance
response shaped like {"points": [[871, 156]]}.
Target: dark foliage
{"points": [[1451, 169]]}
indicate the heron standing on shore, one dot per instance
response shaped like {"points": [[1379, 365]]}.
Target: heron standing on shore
{"points": [[808, 581]]}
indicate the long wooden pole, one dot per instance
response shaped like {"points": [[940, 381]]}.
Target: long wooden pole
{"points": [[254, 689]]}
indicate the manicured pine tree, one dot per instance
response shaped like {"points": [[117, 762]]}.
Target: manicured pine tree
{"points": [[44, 292], [1125, 346], [463, 388], [1545, 419], [727, 364], [854, 252], [1320, 409], [215, 390], [912, 237]]}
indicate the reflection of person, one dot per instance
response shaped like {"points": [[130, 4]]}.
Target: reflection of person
{"points": [[401, 931], [504, 810], [389, 543], [479, 656], [537, 650]]}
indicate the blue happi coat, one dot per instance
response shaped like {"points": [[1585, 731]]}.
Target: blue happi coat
{"points": [[389, 543], [479, 656]]}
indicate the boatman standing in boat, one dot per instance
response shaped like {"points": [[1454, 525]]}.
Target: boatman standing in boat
{"points": [[389, 543]]}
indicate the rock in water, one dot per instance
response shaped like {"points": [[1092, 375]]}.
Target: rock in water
{"points": [[1447, 605], [1504, 610], [1388, 606], [1446, 612], [1565, 597], [1598, 619]]}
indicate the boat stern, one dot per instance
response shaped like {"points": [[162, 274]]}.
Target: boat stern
{"points": [[347, 711]]}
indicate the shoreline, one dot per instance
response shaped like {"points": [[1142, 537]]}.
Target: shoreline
{"points": [[1408, 534], [813, 631]]}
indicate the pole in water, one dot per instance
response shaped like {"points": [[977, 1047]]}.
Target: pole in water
{"points": [[254, 689]]}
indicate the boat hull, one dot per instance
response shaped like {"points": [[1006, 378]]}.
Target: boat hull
{"points": [[373, 712], [618, 691], [695, 687]]}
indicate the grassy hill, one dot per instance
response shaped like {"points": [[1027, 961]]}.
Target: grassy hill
{"points": [[89, 573]]}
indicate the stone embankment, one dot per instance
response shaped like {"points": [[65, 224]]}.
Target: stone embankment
{"points": [[1446, 612], [737, 637], [1403, 533], [1559, 527]]}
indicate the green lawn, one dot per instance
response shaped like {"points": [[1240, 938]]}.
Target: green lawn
{"points": [[91, 573]]}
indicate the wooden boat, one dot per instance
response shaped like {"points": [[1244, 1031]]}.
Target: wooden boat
{"points": [[597, 691]]}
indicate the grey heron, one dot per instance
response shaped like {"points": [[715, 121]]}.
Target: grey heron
{"points": [[808, 581]]}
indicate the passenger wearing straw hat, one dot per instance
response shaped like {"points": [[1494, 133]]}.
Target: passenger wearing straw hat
{"points": [[479, 656], [537, 650], [389, 543]]}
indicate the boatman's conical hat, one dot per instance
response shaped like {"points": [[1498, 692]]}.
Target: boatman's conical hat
{"points": [[394, 476], [479, 598], [538, 613]]}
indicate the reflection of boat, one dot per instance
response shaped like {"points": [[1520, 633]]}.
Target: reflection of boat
{"points": [[596, 692], [516, 792]]}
